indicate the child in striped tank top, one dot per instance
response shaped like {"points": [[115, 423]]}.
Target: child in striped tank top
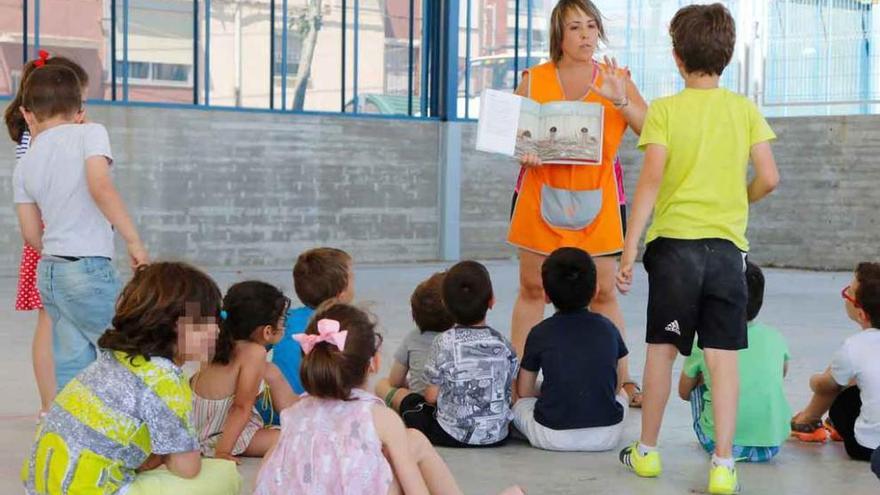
{"points": [[226, 388]]}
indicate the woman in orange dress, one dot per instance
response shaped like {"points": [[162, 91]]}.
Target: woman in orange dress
{"points": [[574, 205]]}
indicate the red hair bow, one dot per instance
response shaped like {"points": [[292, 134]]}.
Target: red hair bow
{"points": [[44, 55]]}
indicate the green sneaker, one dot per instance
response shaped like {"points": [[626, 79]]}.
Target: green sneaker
{"points": [[646, 466], [722, 481]]}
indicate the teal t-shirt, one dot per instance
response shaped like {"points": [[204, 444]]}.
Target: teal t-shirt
{"points": [[763, 414]]}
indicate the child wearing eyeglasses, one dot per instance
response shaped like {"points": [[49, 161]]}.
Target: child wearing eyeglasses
{"points": [[849, 390]]}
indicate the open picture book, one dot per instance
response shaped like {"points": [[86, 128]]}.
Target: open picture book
{"points": [[564, 132]]}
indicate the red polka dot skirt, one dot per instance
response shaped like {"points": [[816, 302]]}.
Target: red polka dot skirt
{"points": [[28, 297]]}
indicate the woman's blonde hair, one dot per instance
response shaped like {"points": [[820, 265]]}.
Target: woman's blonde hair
{"points": [[557, 23]]}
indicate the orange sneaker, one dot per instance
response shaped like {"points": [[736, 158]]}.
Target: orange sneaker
{"points": [[813, 431], [832, 431]]}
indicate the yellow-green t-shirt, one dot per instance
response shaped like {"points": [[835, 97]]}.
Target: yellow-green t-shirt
{"points": [[708, 135]]}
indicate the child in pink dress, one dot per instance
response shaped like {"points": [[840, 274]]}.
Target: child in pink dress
{"points": [[340, 439]]}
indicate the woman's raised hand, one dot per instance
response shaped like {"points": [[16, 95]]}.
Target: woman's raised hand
{"points": [[614, 81]]}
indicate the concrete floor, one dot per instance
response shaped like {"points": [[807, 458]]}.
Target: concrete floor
{"points": [[805, 306]]}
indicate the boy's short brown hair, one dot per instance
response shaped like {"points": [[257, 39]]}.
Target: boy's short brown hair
{"points": [[703, 37], [51, 91], [320, 274], [428, 310], [15, 123], [868, 292]]}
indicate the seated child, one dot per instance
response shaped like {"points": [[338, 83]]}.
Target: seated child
{"points": [[850, 388], [339, 438], [128, 413], [763, 411], [319, 275], [406, 382], [581, 404], [469, 371], [225, 390]]}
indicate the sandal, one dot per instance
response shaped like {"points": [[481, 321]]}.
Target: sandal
{"points": [[813, 431], [635, 394], [832, 431]]}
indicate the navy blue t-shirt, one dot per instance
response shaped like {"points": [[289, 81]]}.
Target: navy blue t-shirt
{"points": [[578, 353]]}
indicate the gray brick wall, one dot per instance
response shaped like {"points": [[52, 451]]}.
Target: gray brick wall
{"points": [[222, 188]]}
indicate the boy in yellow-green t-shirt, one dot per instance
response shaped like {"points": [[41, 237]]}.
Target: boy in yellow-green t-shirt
{"points": [[697, 146]]}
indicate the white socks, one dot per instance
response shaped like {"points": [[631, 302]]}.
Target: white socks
{"points": [[727, 462], [644, 449]]}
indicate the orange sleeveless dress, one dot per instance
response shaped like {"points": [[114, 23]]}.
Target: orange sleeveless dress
{"points": [[570, 205]]}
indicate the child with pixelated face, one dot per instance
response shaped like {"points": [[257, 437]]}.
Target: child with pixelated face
{"points": [[166, 315]]}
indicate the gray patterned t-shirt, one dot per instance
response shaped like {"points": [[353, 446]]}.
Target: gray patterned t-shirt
{"points": [[474, 367]]}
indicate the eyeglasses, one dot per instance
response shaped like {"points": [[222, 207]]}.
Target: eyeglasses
{"points": [[845, 294]]}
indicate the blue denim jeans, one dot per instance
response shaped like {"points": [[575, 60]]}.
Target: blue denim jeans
{"points": [[80, 297]]}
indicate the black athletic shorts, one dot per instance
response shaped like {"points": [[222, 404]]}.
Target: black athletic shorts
{"points": [[420, 415], [696, 287]]}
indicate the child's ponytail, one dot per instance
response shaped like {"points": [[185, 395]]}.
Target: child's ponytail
{"points": [[338, 345], [321, 373], [15, 124]]}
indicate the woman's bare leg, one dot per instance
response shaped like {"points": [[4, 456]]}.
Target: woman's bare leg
{"points": [[607, 305], [528, 310]]}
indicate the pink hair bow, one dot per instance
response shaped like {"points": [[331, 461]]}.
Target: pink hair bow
{"points": [[328, 331]]}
